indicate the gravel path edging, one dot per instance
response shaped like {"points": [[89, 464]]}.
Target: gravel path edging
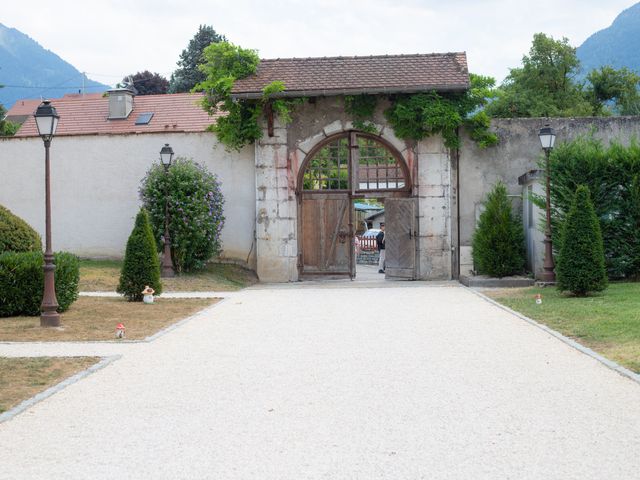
{"points": [[21, 407], [625, 372]]}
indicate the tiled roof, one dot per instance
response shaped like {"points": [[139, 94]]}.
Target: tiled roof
{"points": [[179, 112], [23, 107], [353, 75]]}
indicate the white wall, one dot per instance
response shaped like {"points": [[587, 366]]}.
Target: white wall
{"points": [[95, 181]]}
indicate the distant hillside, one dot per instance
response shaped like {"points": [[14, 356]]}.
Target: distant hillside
{"points": [[617, 45], [29, 71]]}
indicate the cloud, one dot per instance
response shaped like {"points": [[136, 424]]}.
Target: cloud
{"points": [[120, 37]]}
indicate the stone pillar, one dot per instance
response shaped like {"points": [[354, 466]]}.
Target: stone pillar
{"points": [[276, 209], [433, 186]]}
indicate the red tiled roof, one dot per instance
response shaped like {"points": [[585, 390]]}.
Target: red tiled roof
{"points": [[23, 107], [353, 75], [179, 112]]}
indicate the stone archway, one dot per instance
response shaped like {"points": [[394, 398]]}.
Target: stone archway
{"points": [[343, 167]]}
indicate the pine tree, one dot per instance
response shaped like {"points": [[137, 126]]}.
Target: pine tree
{"points": [[141, 265], [187, 75], [580, 265], [498, 242]]}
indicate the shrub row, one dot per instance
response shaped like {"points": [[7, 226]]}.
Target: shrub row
{"points": [[612, 175], [22, 282]]}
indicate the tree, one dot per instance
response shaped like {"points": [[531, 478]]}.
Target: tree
{"points": [[147, 83], [580, 265], [188, 73], [614, 91], [141, 265], [6, 128], [544, 86], [498, 241]]}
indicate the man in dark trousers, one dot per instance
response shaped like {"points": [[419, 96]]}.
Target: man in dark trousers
{"points": [[380, 242]]}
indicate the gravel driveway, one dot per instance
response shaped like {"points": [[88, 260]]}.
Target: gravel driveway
{"points": [[412, 381]]}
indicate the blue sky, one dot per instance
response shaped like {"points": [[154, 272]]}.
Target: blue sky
{"points": [[112, 38]]}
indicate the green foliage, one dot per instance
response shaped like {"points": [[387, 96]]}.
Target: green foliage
{"points": [[611, 174], [22, 282], [544, 86], [195, 204], [16, 235], [224, 64], [282, 107], [614, 91], [421, 115], [141, 266], [7, 129], [498, 241], [147, 83], [188, 74], [361, 108], [580, 261]]}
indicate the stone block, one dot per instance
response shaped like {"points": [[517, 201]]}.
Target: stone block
{"points": [[279, 137], [266, 155], [396, 142], [307, 144], [333, 127], [431, 191], [435, 225], [432, 144], [435, 265]]}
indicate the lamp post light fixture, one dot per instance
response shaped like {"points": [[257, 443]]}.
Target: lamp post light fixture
{"points": [[47, 121], [547, 139], [166, 155]]}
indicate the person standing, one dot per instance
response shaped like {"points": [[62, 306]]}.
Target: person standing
{"points": [[381, 249]]}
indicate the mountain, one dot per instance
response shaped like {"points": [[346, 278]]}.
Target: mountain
{"points": [[617, 45], [29, 71]]}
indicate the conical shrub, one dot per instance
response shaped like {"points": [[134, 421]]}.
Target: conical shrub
{"points": [[141, 263], [498, 242], [580, 266]]}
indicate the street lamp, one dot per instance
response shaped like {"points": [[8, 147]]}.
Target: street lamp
{"points": [[547, 139], [166, 155], [47, 121]]}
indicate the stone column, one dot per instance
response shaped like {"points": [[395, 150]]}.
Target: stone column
{"points": [[433, 184], [276, 209]]}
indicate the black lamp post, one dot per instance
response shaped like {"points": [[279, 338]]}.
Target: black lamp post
{"points": [[47, 121], [547, 139], [166, 155]]}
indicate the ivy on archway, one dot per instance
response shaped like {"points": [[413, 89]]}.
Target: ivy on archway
{"points": [[412, 116]]}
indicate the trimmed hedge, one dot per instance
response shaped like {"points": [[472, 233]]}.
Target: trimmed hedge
{"points": [[141, 265], [16, 235], [612, 174], [580, 265], [22, 282]]}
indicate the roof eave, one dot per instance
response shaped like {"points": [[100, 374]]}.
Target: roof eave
{"points": [[352, 91]]}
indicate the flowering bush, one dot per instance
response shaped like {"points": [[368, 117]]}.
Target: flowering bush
{"points": [[195, 205]]}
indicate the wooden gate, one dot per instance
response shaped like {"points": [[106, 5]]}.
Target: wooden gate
{"points": [[326, 234], [400, 237]]}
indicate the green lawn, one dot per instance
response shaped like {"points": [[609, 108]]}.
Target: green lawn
{"points": [[103, 275], [608, 322]]}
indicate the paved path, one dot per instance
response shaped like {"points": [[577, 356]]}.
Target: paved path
{"points": [[410, 381]]}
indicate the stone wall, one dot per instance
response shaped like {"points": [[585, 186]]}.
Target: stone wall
{"points": [[95, 181], [518, 152]]}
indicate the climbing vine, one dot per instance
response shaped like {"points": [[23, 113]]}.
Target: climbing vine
{"points": [[412, 116], [224, 64], [361, 108]]}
